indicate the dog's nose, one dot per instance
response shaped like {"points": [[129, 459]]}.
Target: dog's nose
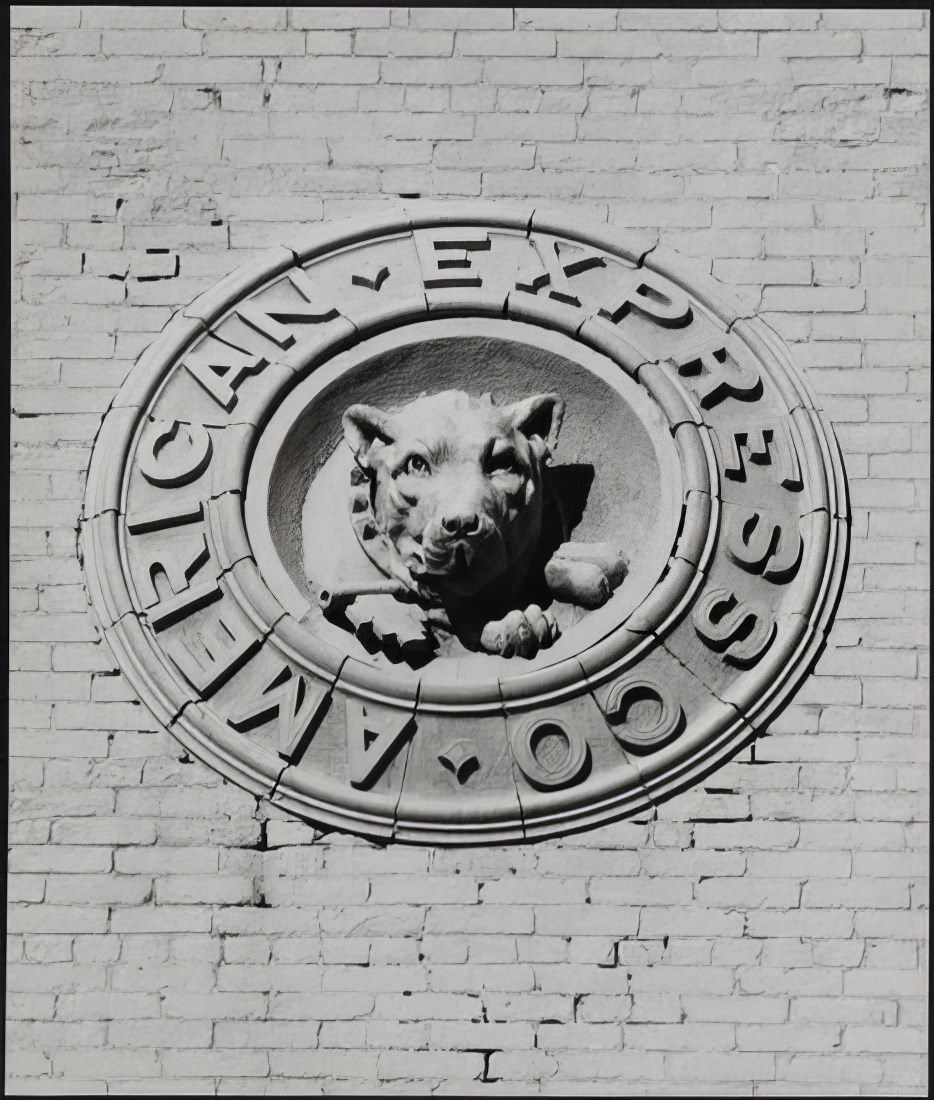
{"points": [[463, 524]]}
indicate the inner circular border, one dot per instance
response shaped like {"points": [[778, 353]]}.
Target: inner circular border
{"points": [[306, 391]]}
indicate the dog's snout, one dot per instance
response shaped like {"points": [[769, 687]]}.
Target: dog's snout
{"points": [[461, 524]]}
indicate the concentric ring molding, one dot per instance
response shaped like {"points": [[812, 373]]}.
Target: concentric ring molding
{"points": [[724, 704]]}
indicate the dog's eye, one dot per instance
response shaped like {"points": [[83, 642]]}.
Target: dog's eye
{"points": [[416, 465], [503, 460]]}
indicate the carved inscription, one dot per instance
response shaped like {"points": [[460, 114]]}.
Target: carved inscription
{"points": [[642, 713], [549, 269], [169, 569], [763, 446], [763, 545], [375, 734], [219, 368], [166, 514], [715, 376], [732, 627], [297, 703], [276, 322], [177, 607], [649, 294], [172, 454], [209, 653], [448, 257], [549, 753]]}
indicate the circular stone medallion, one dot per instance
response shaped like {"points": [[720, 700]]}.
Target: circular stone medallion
{"points": [[586, 540]]}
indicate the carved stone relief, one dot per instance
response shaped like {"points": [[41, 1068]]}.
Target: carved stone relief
{"points": [[461, 525]]}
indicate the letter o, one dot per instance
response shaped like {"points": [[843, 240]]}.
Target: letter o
{"points": [[549, 754]]}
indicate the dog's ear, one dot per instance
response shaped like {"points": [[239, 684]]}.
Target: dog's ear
{"points": [[540, 416], [366, 428]]}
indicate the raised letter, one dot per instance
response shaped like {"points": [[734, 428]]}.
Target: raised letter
{"points": [[166, 561], [552, 267], [211, 653], [180, 606], [272, 322], [643, 714], [740, 632], [762, 545], [762, 444], [445, 256], [550, 754], [173, 454], [220, 368], [375, 733], [173, 513], [717, 374], [298, 702], [659, 300]]}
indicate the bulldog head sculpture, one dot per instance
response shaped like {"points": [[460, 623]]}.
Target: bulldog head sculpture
{"points": [[451, 503], [456, 486]]}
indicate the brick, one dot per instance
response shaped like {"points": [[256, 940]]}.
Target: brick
{"points": [[404, 43], [60, 858], [501, 44], [56, 918], [324, 1063], [236, 19], [433, 71], [819, 71], [35, 16], [151, 43], [129, 17], [321, 1006], [102, 830], [331, 18], [107, 1063], [565, 18], [611, 1065], [810, 44], [254, 44], [894, 42], [656, 44], [396, 1065], [461, 18], [540, 72], [666, 19], [56, 44], [178, 889], [682, 1036], [213, 1063], [420, 890], [107, 1006]]}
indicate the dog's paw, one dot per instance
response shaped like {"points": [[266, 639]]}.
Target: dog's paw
{"points": [[520, 633], [585, 573]]}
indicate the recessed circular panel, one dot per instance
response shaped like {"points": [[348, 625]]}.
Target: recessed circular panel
{"points": [[462, 526]]}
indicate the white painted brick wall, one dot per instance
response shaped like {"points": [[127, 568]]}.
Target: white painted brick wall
{"points": [[765, 933]]}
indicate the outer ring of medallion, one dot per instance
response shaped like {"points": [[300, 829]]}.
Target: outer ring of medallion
{"points": [[662, 760]]}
